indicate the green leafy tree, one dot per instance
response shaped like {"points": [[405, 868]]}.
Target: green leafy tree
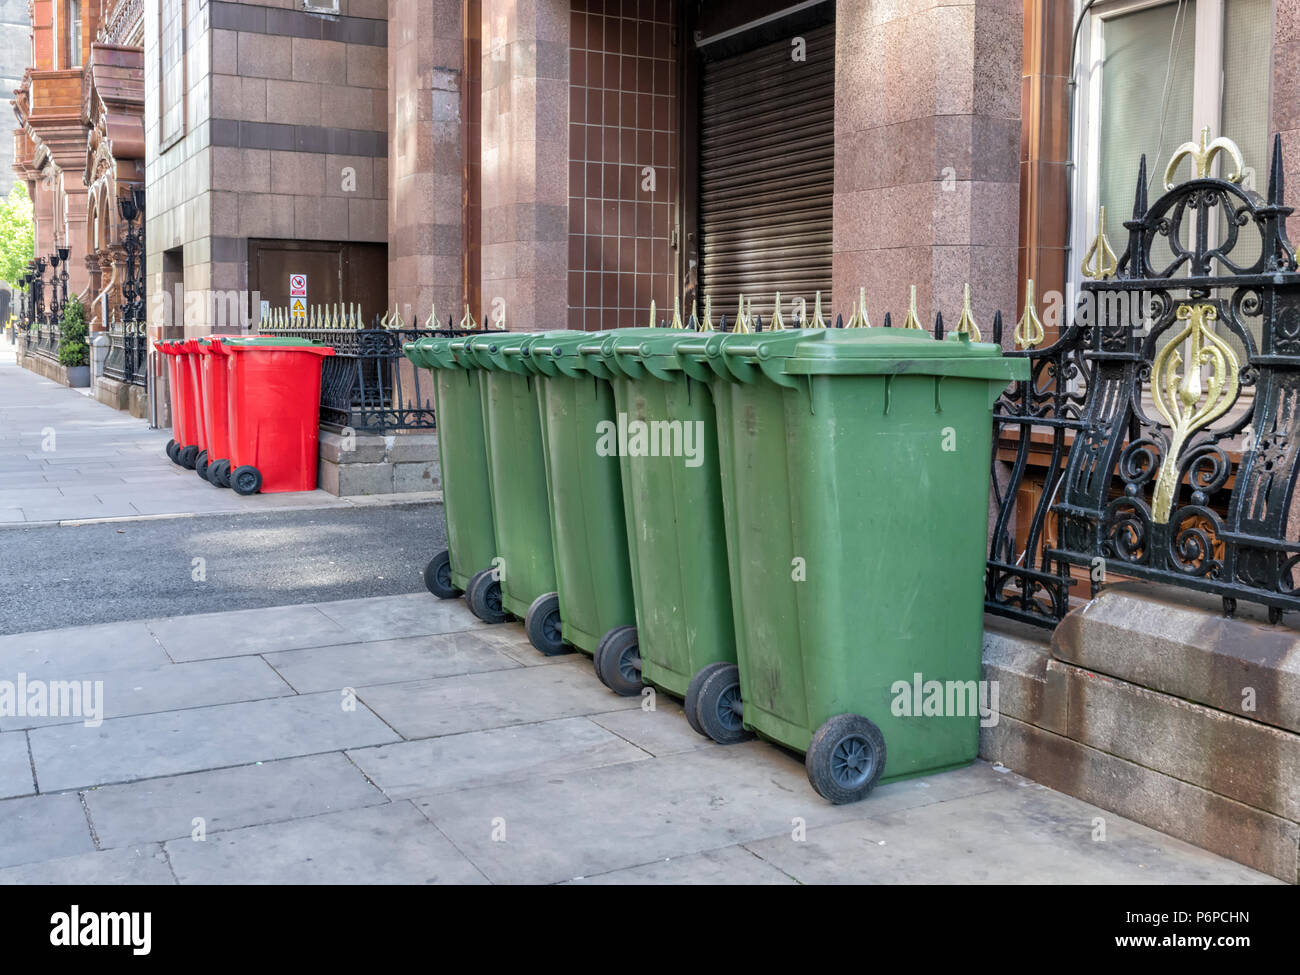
{"points": [[17, 234], [73, 350]]}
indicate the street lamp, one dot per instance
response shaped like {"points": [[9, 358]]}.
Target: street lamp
{"points": [[56, 310], [131, 207], [38, 289], [63, 279]]}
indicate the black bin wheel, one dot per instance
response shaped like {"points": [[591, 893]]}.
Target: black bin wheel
{"points": [[246, 479], [845, 758], [201, 465], [692, 702], [543, 625], [718, 708], [618, 661], [186, 456], [437, 576], [484, 597], [170, 451], [219, 473]]}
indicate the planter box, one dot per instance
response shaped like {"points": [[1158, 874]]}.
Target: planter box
{"points": [[78, 375]]}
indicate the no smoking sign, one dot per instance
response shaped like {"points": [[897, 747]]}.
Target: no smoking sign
{"points": [[297, 286]]}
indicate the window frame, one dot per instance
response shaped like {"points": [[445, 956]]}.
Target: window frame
{"points": [[1207, 109], [166, 141]]}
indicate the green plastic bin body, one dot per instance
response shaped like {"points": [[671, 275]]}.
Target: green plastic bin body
{"points": [[516, 468], [462, 453], [854, 474], [584, 487], [672, 501]]}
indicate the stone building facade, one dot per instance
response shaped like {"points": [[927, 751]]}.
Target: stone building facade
{"points": [[15, 52]]}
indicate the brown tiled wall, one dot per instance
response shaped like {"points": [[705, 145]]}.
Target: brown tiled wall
{"points": [[622, 119]]}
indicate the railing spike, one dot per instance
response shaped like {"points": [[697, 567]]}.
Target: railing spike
{"points": [[912, 320], [966, 324], [707, 324], [938, 325], [1029, 330], [778, 323], [652, 313]]}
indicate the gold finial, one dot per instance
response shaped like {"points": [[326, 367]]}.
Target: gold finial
{"points": [[818, 320], [677, 312], [1202, 156], [1100, 261], [966, 324], [778, 323], [1029, 330], [912, 320], [467, 323], [742, 319], [707, 324], [1179, 397], [694, 317], [652, 313], [432, 321], [858, 318], [383, 319]]}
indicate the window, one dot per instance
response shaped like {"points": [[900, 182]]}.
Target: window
{"points": [[74, 33], [172, 71], [1155, 72], [321, 6]]}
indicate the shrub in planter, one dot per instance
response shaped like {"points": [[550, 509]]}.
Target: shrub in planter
{"points": [[73, 350]]}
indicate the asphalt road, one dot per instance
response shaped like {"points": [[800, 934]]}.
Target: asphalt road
{"points": [[56, 577]]}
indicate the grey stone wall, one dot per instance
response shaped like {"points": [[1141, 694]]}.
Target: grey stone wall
{"points": [[15, 52]]}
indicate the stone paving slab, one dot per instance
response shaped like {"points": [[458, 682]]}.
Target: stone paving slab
{"points": [[583, 823], [58, 653], [475, 702], [391, 617], [1024, 832], [388, 661], [225, 799], [132, 866], [729, 865], [390, 844], [663, 731], [173, 687], [481, 758], [42, 828], [153, 745], [15, 766], [211, 635]]}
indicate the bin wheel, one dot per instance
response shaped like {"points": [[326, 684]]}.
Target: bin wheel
{"points": [[186, 456], [845, 758], [543, 626], [219, 473], [692, 702], [437, 576], [718, 707], [246, 479], [618, 661], [170, 451], [483, 594], [201, 465]]}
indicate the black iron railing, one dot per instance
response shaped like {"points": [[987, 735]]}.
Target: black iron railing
{"points": [[1168, 412], [368, 385], [128, 349]]}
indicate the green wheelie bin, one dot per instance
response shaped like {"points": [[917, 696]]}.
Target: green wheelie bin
{"points": [[521, 581], [585, 491], [672, 500], [462, 453], [855, 479]]}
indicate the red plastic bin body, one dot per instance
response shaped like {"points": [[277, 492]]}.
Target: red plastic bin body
{"points": [[214, 373], [188, 362], [184, 398], [274, 395]]}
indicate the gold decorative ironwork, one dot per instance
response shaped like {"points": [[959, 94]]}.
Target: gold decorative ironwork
{"points": [[706, 325], [467, 322], [1180, 398], [652, 314], [858, 316], [742, 317], [1202, 155], [817, 320], [912, 320], [1029, 330], [778, 323], [1100, 261], [677, 313], [966, 324]]}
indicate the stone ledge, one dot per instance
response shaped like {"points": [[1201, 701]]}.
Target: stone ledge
{"points": [[1231, 829], [362, 464], [1182, 645]]}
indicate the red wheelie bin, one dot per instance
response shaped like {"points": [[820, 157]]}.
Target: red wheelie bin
{"points": [[274, 395], [183, 448], [213, 462]]}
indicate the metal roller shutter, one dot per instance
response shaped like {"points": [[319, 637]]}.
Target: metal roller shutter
{"points": [[767, 173]]}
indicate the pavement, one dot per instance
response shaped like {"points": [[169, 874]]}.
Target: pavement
{"points": [[397, 739], [66, 458]]}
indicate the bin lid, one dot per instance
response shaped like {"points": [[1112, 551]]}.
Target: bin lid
{"points": [[252, 343], [507, 351], [877, 351]]}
